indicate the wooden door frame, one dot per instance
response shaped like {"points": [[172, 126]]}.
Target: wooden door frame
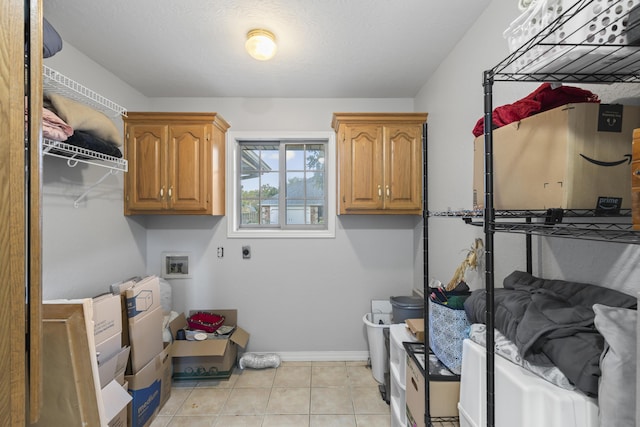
{"points": [[20, 217]]}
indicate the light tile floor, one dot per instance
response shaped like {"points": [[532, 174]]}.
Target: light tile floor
{"points": [[312, 394], [300, 394]]}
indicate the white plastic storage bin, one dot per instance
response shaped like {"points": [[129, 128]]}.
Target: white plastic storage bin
{"points": [[398, 333], [522, 399]]}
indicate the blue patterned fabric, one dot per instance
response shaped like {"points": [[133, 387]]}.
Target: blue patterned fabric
{"points": [[447, 329]]}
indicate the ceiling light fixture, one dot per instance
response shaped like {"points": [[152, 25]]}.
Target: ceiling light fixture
{"points": [[261, 44]]}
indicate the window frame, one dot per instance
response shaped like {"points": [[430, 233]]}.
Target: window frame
{"points": [[234, 153]]}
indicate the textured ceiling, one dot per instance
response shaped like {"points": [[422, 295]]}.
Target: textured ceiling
{"points": [[326, 48]]}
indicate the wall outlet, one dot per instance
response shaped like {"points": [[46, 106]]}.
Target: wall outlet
{"points": [[246, 252]]}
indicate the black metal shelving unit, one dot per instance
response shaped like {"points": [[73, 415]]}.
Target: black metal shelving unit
{"points": [[588, 41]]}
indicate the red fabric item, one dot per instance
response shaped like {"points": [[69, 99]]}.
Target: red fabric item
{"points": [[203, 321], [542, 99]]}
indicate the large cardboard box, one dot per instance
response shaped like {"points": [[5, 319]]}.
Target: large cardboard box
{"points": [[566, 158], [116, 401], [150, 388], [107, 321], [211, 358], [113, 368], [144, 319], [120, 289], [143, 297], [145, 336]]}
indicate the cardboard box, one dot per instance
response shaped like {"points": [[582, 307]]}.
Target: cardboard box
{"points": [[113, 368], [560, 159], [108, 348], [116, 401], [143, 297], [416, 327], [107, 321], [120, 289], [144, 319], [150, 388], [444, 393], [145, 338], [208, 359]]}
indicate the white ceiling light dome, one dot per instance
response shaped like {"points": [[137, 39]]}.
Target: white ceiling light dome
{"points": [[261, 44]]}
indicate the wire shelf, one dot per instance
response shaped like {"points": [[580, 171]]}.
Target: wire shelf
{"points": [[75, 155], [574, 224], [58, 83], [570, 48]]}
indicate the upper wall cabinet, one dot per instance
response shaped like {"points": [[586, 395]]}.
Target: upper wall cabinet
{"points": [[176, 163], [379, 162]]}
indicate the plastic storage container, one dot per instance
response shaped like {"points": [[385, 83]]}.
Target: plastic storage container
{"points": [[522, 399], [377, 348], [398, 373], [406, 307]]}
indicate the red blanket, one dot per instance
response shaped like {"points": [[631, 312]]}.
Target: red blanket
{"points": [[542, 99]]}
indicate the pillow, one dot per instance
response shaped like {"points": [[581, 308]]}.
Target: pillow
{"points": [[51, 40], [617, 386], [83, 117]]}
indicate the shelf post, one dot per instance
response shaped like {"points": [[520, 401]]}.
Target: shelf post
{"points": [[425, 275], [489, 218]]}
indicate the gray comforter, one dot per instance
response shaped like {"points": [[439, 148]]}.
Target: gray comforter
{"points": [[551, 322]]}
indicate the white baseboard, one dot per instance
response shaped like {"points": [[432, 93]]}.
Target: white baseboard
{"points": [[321, 356]]}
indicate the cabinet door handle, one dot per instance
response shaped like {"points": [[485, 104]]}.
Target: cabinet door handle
{"points": [[161, 192], [170, 192], [379, 191], [636, 172], [388, 192]]}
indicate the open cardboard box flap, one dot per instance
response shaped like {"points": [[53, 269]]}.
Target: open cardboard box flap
{"points": [[211, 347]]}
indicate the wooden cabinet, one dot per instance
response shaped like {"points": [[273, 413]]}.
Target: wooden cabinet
{"points": [[176, 163], [379, 162]]}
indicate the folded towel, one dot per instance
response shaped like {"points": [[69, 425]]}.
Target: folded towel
{"points": [[53, 127], [85, 118]]}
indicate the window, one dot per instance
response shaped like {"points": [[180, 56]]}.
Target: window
{"points": [[282, 186]]}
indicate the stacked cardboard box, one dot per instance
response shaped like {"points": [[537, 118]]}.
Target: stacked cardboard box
{"points": [[111, 357], [83, 363], [149, 368]]}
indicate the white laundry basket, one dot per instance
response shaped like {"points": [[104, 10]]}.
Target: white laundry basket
{"points": [[377, 348]]}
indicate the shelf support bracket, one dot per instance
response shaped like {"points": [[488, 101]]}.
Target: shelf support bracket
{"points": [[76, 203]]}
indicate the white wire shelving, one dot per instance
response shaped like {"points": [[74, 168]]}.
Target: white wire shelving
{"points": [[55, 82]]}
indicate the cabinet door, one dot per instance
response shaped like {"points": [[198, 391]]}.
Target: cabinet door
{"points": [[403, 167], [361, 177], [146, 179], [188, 172]]}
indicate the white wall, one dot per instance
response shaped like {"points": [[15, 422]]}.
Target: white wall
{"points": [[293, 295], [84, 249], [454, 99]]}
